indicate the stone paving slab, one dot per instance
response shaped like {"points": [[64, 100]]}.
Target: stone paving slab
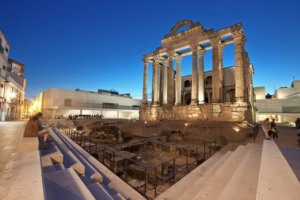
{"points": [[10, 135], [22, 177]]}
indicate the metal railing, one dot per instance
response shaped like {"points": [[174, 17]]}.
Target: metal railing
{"points": [[170, 171]]}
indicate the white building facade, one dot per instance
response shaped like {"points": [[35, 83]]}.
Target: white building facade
{"points": [[60, 102], [12, 84], [284, 107]]}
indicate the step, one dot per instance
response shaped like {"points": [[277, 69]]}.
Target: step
{"points": [[65, 184], [195, 186], [70, 160], [246, 176], [59, 166], [214, 187], [99, 192], [47, 164], [51, 157], [276, 178], [119, 196], [22, 177], [56, 156], [194, 175]]}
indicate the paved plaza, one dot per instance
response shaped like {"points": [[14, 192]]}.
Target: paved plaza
{"points": [[10, 135]]}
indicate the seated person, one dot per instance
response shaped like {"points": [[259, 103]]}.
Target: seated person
{"points": [[33, 129]]}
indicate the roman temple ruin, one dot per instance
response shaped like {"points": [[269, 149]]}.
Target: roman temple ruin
{"points": [[224, 94]]}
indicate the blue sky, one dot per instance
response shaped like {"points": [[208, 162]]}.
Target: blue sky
{"points": [[93, 44]]}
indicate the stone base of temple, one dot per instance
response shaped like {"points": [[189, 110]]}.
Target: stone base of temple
{"points": [[238, 111]]}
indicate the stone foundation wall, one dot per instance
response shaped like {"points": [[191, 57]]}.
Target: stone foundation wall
{"points": [[238, 111]]}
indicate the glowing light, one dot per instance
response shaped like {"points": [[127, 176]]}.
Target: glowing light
{"points": [[236, 129], [12, 95], [145, 122], [186, 124]]}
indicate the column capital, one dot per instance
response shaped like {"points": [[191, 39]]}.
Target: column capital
{"points": [[221, 46], [145, 60], [157, 57], [238, 35], [215, 41], [171, 54], [178, 58], [194, 47], [201, 52]]}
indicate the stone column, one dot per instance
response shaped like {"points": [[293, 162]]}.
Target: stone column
{"points": [[160, 86], [155, 101], [165, 82], [220, 68], [152, 91], [178, 80], [145, 83], [239, 63], [194, 96], [215, 72], [201, 76], [171, 79]]}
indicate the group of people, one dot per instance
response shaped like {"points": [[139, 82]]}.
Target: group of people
{"points": [[75, 117], [270, 129], [34, 128]]}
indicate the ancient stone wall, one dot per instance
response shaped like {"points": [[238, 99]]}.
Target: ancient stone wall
{"points": [[234, 112]]}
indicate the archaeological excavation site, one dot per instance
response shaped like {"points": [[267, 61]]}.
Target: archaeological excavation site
{"points": [[152, 156]]}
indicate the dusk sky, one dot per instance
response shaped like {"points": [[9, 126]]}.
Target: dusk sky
{"points": [[97, 44]]}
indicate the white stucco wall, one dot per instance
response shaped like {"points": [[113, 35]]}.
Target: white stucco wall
{"points": [[56, 98], [260, 93], [87, 103]]}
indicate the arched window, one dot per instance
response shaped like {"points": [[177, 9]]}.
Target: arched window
{"points": [[187, 83], [208, 80]]}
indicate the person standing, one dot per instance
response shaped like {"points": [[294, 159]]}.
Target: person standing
{"points": [[34, 129], [274, 129], [266, 127]]}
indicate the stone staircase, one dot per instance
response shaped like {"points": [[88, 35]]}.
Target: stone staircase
{"points": [[69, 172], [251, 172]]}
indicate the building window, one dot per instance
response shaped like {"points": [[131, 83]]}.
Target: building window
{"points": [[109, 105], [187, 83]]}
